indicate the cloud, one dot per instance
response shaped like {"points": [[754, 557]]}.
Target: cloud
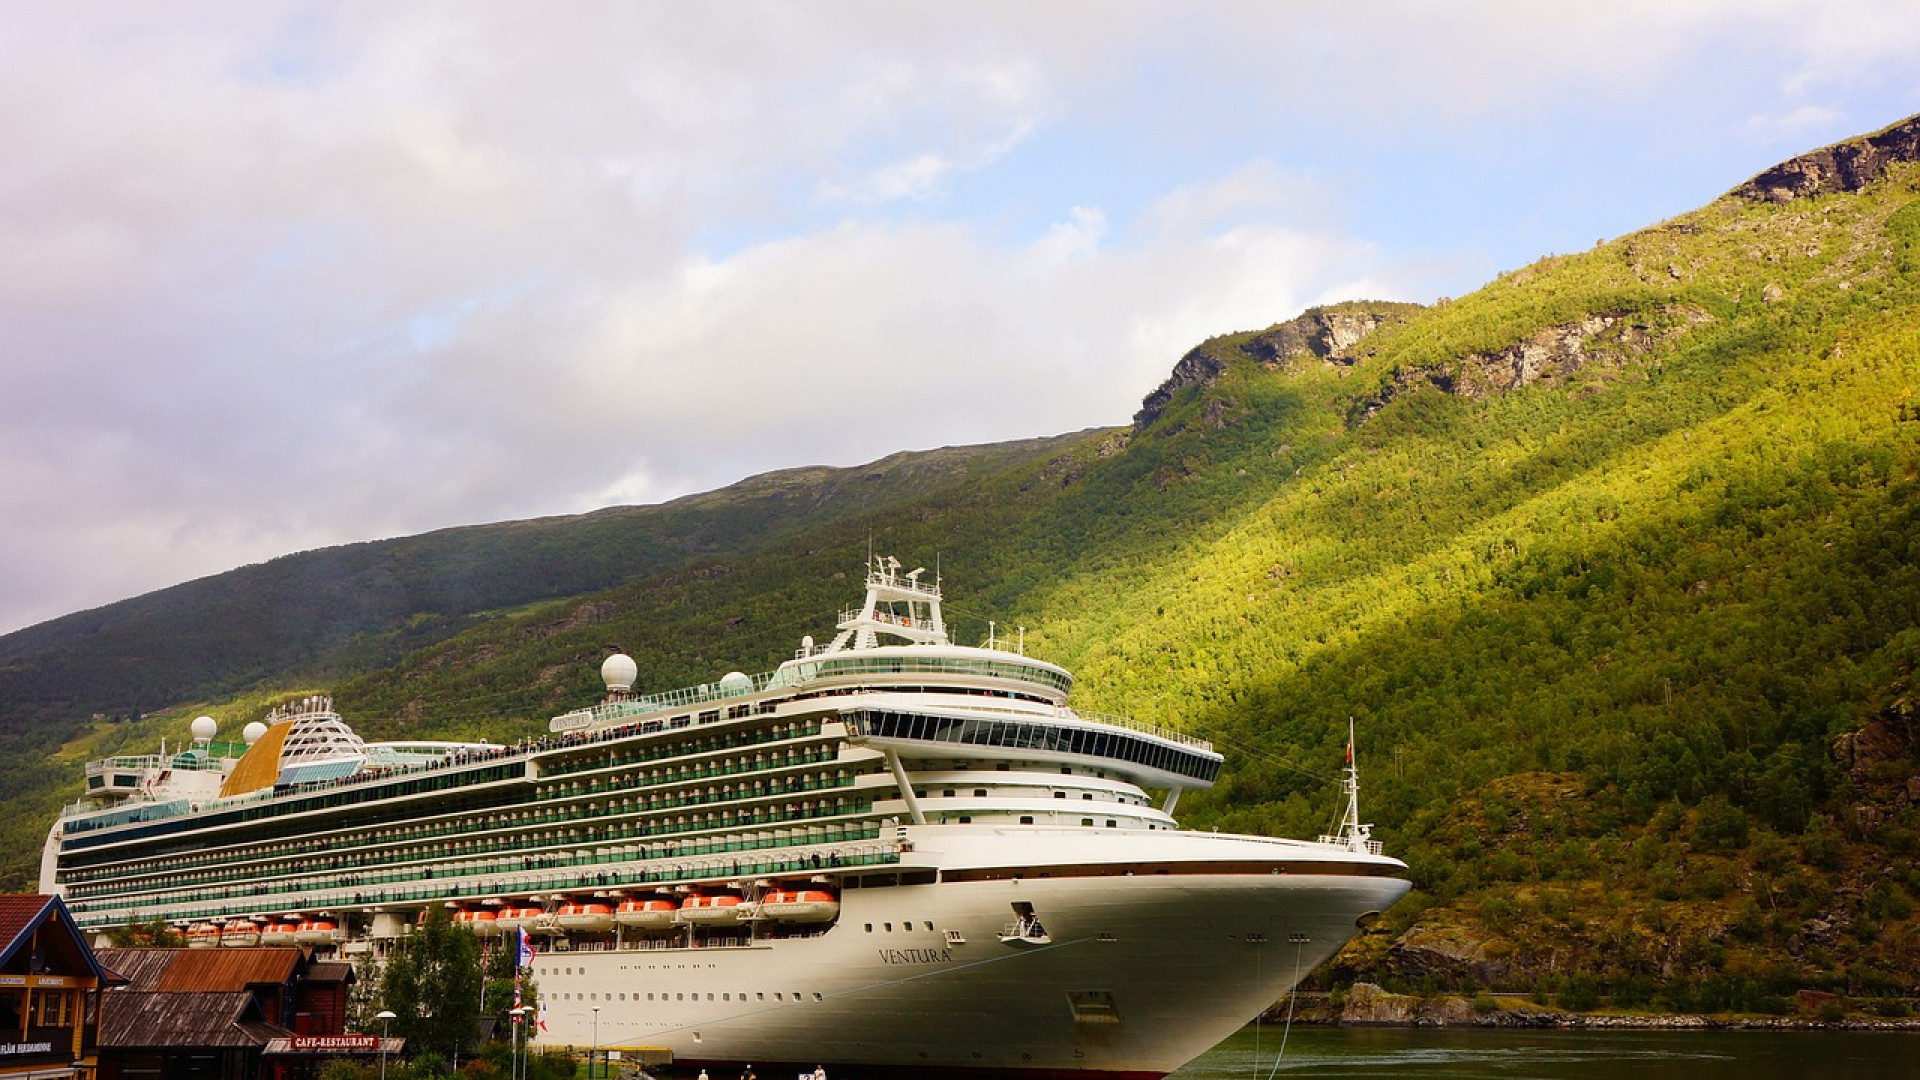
{"points": [[279, 275]]}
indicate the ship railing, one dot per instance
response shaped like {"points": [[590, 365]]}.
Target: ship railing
{"points": [[1141, 726], [491, 860], [186, 761], [645, 753], [1347, 843], [887, 618], [759, 811], [815, 856]]}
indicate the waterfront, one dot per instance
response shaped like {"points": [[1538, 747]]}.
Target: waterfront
{"points": [[1402, 1053]]}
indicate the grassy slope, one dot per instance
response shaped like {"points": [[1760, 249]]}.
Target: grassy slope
{"points": [[1606, 636]]}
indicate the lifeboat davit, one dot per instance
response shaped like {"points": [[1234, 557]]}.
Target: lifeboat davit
{"points": [[279, 933], [800, 906], [203, 936], [240, 935], [648, 913], [716, 909], [588, 917], [482, 922], [316, 932]]}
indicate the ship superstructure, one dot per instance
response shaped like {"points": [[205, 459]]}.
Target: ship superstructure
{"points": [[892, 853]]}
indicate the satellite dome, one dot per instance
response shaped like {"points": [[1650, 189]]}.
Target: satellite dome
{"points": [[253, 731], [204, 728], [619, 671], [735, 682]]}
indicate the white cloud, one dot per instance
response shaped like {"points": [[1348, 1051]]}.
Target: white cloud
{"points": [[275, 275]]}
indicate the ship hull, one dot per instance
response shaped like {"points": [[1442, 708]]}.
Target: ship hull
{"points": [[1139, 976]]}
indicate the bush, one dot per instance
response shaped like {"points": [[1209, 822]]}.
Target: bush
{"points": [[1720, 825]]}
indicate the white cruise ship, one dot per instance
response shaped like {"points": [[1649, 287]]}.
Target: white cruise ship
{"points": [[893, 856]]}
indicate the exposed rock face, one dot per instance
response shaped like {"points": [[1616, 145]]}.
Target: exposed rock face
{"points": [[1845, 166], [1548, 355], [1368, 1004], [1450, 951], [1328, 334], [1882, 758]]}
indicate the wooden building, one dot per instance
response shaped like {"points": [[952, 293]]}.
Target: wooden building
{"points": [[50, 985], [216, 1014]]}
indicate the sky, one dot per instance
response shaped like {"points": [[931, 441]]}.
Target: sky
{"points": [[278, 276]]}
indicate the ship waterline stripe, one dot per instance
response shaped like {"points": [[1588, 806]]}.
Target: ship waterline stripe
{"points": [[1214, 868]]}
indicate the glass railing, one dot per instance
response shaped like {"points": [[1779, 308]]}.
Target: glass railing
{"points": [[633, 825], [690, 862]]}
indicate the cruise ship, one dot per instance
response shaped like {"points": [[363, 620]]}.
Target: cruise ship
{"points": [[893, 855]]}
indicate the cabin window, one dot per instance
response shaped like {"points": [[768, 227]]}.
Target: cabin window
{"points": [[1026, 819]]}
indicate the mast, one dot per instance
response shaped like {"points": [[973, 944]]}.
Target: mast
{"points": [[1353, 834], [898, 605]]}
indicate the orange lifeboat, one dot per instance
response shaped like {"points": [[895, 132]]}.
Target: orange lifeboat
{"points": [[714, 909], [646, 913], [518, 918], [203, 935], [317, 932], [482, 922], [240, 934], [279, 933], [589, 917], [800, 906]]}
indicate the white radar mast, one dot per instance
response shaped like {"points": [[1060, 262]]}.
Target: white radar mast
{"points": [[899, 606]]}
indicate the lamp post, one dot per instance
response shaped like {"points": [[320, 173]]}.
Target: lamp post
{"points": [[384, 1016], [594, 1054], [519, 1015]]}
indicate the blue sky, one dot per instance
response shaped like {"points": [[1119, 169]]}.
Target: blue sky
{"points": [[277, 276]]}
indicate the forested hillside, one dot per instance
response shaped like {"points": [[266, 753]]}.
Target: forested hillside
{"points": [[1615, 564]]}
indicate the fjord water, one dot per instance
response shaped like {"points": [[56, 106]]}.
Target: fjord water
{"points": [[1465, 1054]]}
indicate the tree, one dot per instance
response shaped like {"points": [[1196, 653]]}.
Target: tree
{"points": [[432, 986], [154, 933]]}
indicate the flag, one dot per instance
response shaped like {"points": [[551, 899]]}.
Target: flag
{"points": [[525, 959], [542, 1015]]}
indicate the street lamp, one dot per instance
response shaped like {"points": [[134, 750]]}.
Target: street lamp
{"points": [[594, 1054], [384, 1016], [519, 1014]]}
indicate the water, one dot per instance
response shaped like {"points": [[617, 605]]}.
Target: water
{"points": [[1487, 1054]]}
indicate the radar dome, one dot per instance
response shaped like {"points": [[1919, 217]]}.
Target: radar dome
{"points": [[253, 731], [619, 671], [735, 682], [204, 728]]}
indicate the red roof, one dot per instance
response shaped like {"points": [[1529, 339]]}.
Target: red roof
{"points": [[204, 970], [65, 950]]}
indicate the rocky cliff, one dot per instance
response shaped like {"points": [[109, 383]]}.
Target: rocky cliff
{"points": [[1329, 334], [1845, 166]]}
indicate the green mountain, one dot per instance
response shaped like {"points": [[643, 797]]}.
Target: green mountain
{"points": [[1614, 564]]}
